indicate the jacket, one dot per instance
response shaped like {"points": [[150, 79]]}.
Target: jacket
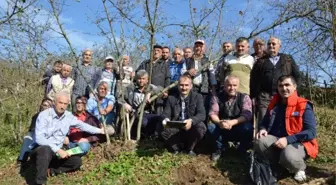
{"points": [[58, 86], [194, 107], [264, 74], [293, 120], [161, 72]]}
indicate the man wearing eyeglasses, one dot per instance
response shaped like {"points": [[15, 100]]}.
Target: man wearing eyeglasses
{"points": [[266, 71]]}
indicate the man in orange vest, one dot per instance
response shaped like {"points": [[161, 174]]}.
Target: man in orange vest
{"points": [[288, 131]]}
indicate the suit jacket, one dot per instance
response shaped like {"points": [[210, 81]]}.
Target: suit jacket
{"points": [[194, 107]]}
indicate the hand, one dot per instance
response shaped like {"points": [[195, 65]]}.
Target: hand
{"points": [[188, 125], [261, 133], [102, 130], [192, 72], [63, 154], [127, 107], [165, 95], [91, 95], [227, 124], [102, 111], [66, 141], [148, 98], [281, 143], [83, 140], [164, 122]]}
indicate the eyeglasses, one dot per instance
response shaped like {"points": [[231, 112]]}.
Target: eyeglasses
{"points": [[272, 43]]}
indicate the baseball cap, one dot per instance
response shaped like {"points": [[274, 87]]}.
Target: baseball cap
{"points": [[199, 41], [109, 58]]}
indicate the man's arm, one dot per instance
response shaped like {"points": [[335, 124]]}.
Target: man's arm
{"points": [[254, 79], [40, 133], [49, 86], [265, 122], [214, 110], [167, 76], [84, 126], [309, 127], [200, 111], [168, 109]]}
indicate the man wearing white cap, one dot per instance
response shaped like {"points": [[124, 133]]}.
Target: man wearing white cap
{"points": [[108, 74]]}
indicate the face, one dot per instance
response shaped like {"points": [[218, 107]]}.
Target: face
{"points": [[102, 90], [87, 56], [125, 60], [45, 105], [178, 55], [227, 48], [66, 70], [286, 88], [188, 53], [165, 53], [185, 85], [231, 86], [258, 47], [242, 48], [61, 104], [273, 46], [157, 53], [198, 49], [58, 68], [80, 106], [142, 81], [108, 64]]}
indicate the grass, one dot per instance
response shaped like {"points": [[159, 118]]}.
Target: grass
{"points": [[150, 164]]}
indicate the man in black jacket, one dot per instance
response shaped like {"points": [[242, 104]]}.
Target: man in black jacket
{"points": [[186, 106], [160, 74], [265, 73]]}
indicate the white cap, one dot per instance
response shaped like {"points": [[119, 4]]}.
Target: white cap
{"points": [[109, 58]]}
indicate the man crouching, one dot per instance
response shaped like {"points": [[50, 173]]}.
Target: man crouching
{"points": [[52, 126], [288, 131], [186, 106]]}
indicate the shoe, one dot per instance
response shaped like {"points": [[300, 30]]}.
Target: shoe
{"points": [[216, 155], [191, 153], [300, 176]]}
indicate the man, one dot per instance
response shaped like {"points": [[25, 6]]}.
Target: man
{"points": [[227, 50], [259, 49], [185, 106], [79, 138], [52, 125], [160, 74], [166, 54], [288, 131], [108, 74], [265, 73], [188, 53], [56, 69], [239, 64], [105, 108], [128, 72], [178, 66], [231, 113], [60, 82], [85, 69], [135, 95]]}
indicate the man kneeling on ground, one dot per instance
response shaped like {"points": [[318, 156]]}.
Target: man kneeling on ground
{"points": [[231, 113], [185, 106], [52, 126], [288, 131]]}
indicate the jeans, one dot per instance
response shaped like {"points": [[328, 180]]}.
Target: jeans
{"points": [[242, 133], [25, 149], [85, 146]]}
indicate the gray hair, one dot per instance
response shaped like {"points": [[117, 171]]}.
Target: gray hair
{"points": [[65, 65], [102, 83], [229, 77], [141, 73], [279, 41], [178, 49], [61, 94]]}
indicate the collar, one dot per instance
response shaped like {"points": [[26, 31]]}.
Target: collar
{"points": [[90, 64], [243, 56], [82, 114], [291, 100], [54, 114]]}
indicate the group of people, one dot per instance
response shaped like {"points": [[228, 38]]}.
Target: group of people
{"points": [[219, 100]]}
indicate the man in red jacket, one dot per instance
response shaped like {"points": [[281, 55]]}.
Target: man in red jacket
{"points": [[288, 131]]}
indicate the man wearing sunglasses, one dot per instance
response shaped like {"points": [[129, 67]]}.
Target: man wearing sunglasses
{"points": [[266, 71]]}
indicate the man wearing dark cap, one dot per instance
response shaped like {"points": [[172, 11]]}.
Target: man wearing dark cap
{"points": [[160, 75]]}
